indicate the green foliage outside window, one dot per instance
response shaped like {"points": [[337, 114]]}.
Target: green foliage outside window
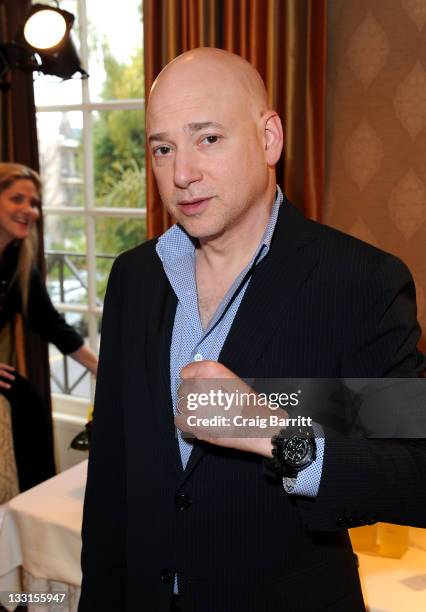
{"points": [[119, 160]]}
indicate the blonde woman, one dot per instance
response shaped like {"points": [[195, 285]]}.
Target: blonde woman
{"points": [[22, 290]]}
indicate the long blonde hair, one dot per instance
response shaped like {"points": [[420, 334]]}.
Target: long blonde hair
{"points": [[9, 173]]}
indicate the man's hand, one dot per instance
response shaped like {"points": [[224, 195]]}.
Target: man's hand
{"points": [[6, 371], [216, 406]]}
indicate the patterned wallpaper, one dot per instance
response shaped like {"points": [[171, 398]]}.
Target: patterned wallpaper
{"points": [[376, 136]]}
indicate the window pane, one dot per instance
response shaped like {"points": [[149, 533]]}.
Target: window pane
{"points": [[113, 236], [68, 376], [115, 66], [65, 251], [49, 89], [103, 269], [119, 158], [115, 56], [99, 328], [61, 158], [64, 233]]}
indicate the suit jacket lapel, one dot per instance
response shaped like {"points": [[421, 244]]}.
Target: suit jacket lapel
{"points": [[275, 282], [159, 336]]}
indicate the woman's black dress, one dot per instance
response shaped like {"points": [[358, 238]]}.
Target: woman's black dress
{"points": [[31, 420]]}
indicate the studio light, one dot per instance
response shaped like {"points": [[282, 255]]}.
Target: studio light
{"points": [[45, 28], [44, 44]]}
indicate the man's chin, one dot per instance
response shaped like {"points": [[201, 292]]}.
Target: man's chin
{"points": [[199, 231]]}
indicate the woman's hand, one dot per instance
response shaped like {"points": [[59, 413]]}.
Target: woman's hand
{"points": [[6, 371]]}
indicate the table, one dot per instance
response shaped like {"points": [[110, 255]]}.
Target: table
{"points": [[394, 585], [40, 539], [40, 548]]}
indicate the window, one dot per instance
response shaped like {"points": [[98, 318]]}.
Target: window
{"points": [[92, 161]]}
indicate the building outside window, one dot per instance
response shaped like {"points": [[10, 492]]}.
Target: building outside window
{"points": [[92, 162]]}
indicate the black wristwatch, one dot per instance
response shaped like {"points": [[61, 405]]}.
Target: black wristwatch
{"points": [[294, 450]]}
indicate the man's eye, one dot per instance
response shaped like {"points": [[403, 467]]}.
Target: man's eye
{"points": [[161, 151], [211, 139], [17, 199]]}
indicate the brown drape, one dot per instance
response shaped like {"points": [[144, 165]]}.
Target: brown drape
{"points": [[286, 41], [19, 144]]}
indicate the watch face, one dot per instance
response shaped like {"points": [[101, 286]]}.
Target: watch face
{"points": [[297, 451]]}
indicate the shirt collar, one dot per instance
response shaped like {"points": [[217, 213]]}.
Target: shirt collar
{"points": [[176, 244]]}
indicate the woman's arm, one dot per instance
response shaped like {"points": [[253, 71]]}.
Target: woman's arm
{"points": [[87, 358], [43, 318]]}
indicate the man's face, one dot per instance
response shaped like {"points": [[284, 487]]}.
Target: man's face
{"points": [[207, 150]]}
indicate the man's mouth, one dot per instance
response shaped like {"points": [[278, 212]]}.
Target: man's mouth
{"points": [[193, 206]]}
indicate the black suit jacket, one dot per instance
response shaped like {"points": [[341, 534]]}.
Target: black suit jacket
{"points": [[321, 304]]}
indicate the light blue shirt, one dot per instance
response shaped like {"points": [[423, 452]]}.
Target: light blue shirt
{"points": [[190, 342]]}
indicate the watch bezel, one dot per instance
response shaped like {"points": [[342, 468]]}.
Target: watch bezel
{"points": [[280, 463], [307, 456]]}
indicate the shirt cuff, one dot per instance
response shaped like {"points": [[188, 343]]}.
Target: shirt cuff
{"points": [[308, 480]]}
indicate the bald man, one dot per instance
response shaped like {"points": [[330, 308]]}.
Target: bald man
{"points": [[241, 286]]}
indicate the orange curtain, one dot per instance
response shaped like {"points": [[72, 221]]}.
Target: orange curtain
{"points": [[286, 41]]}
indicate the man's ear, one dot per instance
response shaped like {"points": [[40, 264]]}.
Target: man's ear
{"points": [[274, 139]]}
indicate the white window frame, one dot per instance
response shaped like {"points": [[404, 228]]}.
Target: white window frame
{"points": [[67, 403]]}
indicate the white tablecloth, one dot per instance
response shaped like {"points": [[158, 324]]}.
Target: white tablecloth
{"points": [[41, 534]]}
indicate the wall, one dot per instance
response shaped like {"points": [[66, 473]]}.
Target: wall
{"points": [[376, 117]]}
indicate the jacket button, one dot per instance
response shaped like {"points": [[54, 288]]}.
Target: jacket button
{"points": [[167, 576], [183, 501], [341, 522]]}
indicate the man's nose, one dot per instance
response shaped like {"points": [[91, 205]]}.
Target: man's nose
{"points": [[186, 169]]}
